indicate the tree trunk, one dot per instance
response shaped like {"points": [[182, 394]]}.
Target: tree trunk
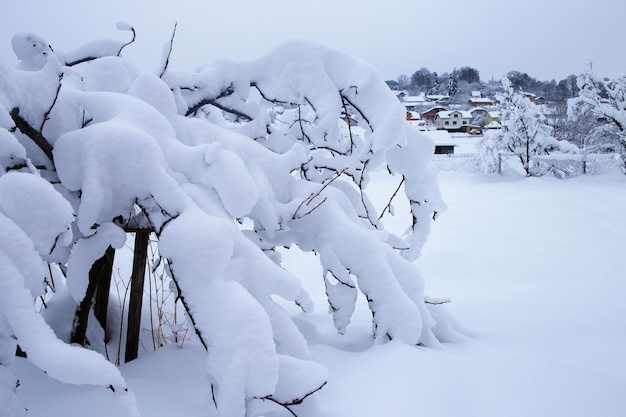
{"points": [[99, 276], [136, 294], [102, 292]]}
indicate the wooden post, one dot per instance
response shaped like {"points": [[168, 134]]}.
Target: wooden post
{"points": [[103, 288], [136, 294]]}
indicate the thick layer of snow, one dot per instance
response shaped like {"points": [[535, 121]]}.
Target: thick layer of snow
{"points": [[534, 269]]}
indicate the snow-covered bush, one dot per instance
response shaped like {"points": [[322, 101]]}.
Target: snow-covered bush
{"points": [[525, 133], [224, 165]]}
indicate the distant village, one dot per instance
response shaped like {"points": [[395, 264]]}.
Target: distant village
{"points": [[454, 125]]}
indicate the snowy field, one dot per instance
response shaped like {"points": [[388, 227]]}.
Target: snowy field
{"points": [[535, 272]]}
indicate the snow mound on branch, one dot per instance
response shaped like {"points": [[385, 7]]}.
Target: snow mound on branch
{"points": [[109, 74], [31, 50], [34, 197]]}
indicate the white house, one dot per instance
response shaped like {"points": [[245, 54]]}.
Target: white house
{"points": [[412, 103], [454, 120]]}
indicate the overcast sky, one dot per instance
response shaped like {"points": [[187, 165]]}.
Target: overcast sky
{"points": [[548, 39]]}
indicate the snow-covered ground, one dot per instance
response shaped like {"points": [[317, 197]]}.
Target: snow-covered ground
{"points": [[535, 272]]}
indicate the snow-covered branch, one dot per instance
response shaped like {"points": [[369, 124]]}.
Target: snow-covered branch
{"points": [[224, 165], [35, 135]]}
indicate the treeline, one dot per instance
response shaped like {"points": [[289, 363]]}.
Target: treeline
{"points": [[460, 83]]}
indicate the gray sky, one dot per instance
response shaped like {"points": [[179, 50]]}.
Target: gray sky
{"points": [[545, 38]]}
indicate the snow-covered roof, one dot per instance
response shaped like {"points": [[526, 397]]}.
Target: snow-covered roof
{"points": [[439, 108], [440, 137], [483, 100], [448, 114], [413, 99], [493, 125], [437, 97]]}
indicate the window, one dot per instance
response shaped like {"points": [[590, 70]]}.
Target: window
{"points": [[453, 122], [464, 122], [447, 123]]}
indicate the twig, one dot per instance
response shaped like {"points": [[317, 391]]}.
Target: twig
{"points": [[312, 196], [169, 52], [213, 101], [357, 109], [436, 301], [94, 57], [56, 96], [345, 110], [132, 29], [184, 302], [388, 206]]}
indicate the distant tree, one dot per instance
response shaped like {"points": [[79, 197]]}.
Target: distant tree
{"points": [[604, 100], [452, 86], [523, 81], [468, 74], [525, 132], [403, 82], [566, 89], [393, 85], [575, 131], [434, 85], [420, 80]]}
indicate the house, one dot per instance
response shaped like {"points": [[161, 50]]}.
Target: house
{"points": [[479, 116], [493, 117], [439, 99], [430, 114], [412, 103], [412, 115], [444, 144], [453, 121], [480, 101]]}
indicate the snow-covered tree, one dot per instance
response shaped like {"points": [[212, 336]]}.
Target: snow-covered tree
{"points": [[434, 86], [224, 165], [453, 86], [602, 100], [524, 133]]}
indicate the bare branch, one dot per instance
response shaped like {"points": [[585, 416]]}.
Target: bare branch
{"points": [[56, 96], [169, 51], [33, 134], [345, 110], [95, 56], [271, 100], [132, 29], [436, 301], [304, 135], [388, 206], [358, 110], [314, 208], [182, 299], [294, 401], [213, 101], [312, 196]]}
